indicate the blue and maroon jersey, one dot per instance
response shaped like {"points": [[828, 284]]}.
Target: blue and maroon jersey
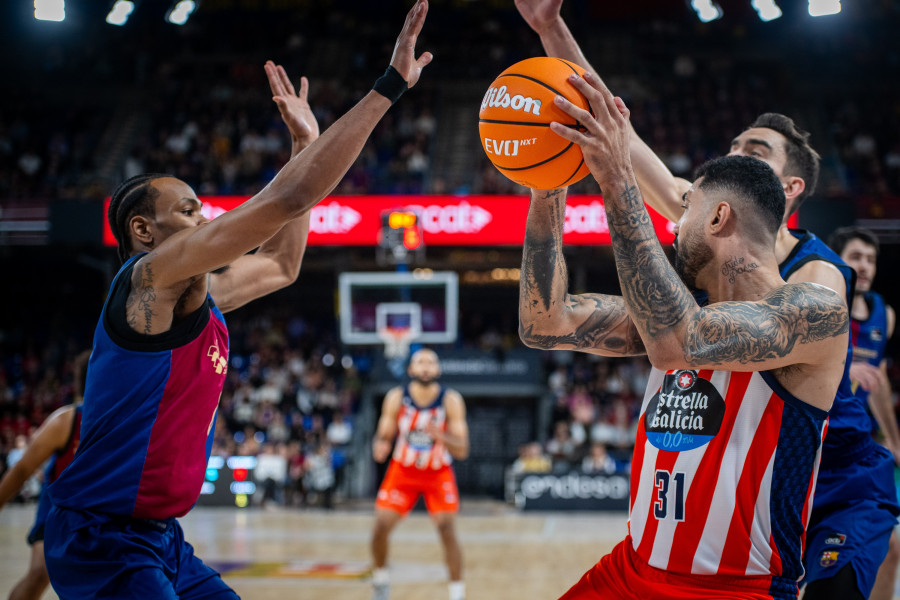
{"points": [[149, 413], [849, 424], [870, 337]]}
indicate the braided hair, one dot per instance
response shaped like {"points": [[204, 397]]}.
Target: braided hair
{"points": [[134, 196]]}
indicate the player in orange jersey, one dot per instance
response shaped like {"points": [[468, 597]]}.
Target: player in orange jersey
{"points": [[429, 422]]}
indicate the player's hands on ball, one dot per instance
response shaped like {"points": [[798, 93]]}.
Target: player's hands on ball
{"points": [[404, 57], [605, 139]]}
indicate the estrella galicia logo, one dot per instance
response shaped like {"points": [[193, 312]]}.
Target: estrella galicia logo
{"points": [[685, 413], [835, 539]]}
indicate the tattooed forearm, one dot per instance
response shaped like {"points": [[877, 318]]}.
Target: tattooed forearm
{"points": [[543, 266], [656, 296], [753, 332], [607, 328]]}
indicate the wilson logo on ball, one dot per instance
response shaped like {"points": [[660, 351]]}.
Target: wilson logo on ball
{"points": [[499, 97], [514, 123]]}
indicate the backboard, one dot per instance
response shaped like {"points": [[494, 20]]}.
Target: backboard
{"points": [[425, 300]]}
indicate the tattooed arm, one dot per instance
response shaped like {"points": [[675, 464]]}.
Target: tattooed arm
{"points": [[550, 317], [794, 324]]}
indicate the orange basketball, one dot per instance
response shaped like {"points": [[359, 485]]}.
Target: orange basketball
{"points": [[514, 123]]}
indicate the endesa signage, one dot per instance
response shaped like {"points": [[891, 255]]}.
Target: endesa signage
{"points": [[446, 220]]}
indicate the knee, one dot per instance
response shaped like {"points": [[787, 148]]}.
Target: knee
{"points": [[893, 553]]}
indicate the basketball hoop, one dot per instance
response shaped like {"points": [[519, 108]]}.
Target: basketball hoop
{"points": [[396, 341]]}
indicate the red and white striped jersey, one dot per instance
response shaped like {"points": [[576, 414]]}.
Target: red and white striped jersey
{"points": [[723, 474], [415, 446]]}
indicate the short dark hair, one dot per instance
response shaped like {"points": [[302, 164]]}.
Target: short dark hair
{"points": [[802, 160], [134, 196], [842, 236], [752, 180]]}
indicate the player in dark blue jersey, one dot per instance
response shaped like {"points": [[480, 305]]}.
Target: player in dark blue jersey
{"points": [[161, 349], [872, 325], [858, 516], [53, 444]]}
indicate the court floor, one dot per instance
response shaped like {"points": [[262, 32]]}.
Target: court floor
{"points": [[311, 554], [306, 554]]}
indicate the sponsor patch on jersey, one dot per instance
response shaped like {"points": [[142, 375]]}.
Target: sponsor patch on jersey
{"points": [[419, 440], [686, 413], [828, 558], [835, 539], [875, 334]]}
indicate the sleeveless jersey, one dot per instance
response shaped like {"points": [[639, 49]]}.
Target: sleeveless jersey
{"points": [[849, 424], [415, 447], [149, 413], [870, 337], [61, 459], [723, 473]]}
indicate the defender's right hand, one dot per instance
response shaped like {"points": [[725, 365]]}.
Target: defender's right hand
{"points": [[404, 58]]}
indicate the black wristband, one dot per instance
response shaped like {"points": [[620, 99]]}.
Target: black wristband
{"points": [[391, 85]]}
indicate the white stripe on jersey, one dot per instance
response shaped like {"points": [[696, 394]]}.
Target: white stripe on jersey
{"points": [[643, 496], [712, 542]]}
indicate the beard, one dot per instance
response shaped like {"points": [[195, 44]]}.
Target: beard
{"points": [[692, 254], [426, 380]]}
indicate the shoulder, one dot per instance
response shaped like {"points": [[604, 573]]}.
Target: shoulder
{"points": [[821, 272], [891, 317], [453, 401], [807, 293]]}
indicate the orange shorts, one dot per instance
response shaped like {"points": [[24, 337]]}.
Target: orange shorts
{"points": [[623, 575], [402, 487]]}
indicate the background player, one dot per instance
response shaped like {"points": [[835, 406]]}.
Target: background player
{"points": [[720, 490], [161, 350], [872, 325], [855, 501], [55, 441], [429, 422]]}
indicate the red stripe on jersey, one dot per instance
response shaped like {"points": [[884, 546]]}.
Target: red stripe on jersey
{"points": [[736, 552], [688, 533]]}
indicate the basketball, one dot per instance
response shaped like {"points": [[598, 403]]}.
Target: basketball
{"points": [[514, 123]]}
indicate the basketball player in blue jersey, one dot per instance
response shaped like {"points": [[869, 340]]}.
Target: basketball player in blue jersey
{"points": [[855, 506], [53, 444], [871, 326], [161, 349]]}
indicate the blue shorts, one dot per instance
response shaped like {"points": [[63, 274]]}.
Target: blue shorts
{"points": [[92, 555], [854, 513], [37, 530]]}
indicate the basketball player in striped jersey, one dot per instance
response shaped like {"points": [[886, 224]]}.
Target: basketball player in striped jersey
{"points": [[871, 326], [160, 354], [53, 444], [732, 422], [855, 507], [429, 424]]}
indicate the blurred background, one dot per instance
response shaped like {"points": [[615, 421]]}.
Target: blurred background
{"points": [[86, 104]]}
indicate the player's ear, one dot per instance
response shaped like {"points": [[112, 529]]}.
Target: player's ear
{"points": [[141, 230], [721, 218]]}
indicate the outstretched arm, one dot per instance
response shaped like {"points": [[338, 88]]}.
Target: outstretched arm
{"points": [[794, 324], [299, 186], [661, 189], [549, 316], [276, 263], [50, 437]]}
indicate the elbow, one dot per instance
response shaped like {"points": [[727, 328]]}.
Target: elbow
{"points": [[531, 339], [665, 357]]}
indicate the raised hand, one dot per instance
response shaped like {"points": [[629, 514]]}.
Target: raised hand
{"points": [[605, 137], [294, 107], [539, 14], [404, 57]]}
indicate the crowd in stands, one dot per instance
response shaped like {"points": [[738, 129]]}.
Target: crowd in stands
{"points": [[205, 112]]}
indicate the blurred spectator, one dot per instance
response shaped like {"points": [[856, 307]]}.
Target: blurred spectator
{"points": [[271, 473], [320, 479], [532, 460], [598, 461]]}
